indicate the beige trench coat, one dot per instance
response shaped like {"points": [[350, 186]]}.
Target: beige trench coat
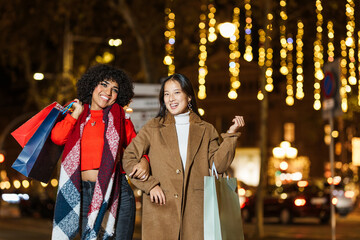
{"points": [[182, 215]]}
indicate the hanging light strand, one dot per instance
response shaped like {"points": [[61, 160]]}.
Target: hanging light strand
{"points": [[248, 55], [202, 70], [262, 54], [299, 61], [269, 55], [331, 48], [170, 41], [318, 56], [359, 67], [212, 22], [350, 42], [344, 85], [234, 63], [289, 77], [283, 52]]}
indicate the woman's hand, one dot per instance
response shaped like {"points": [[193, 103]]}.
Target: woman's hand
{"points": [[141, 170], [157, 195], [238, 123], [78, 108]]}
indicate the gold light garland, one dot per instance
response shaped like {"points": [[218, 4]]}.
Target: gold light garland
{"points": [[212, 21], [318, 56], [202, 55], [283, 53], [248, 56], [262, 55], [234, 64], [289, 78], [350, 42], [331, 48], [359, 67], [269, 55], [344, 86], [170, 41], [299, 61]]}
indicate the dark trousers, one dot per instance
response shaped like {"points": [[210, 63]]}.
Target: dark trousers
{"points": [[125, 221]]}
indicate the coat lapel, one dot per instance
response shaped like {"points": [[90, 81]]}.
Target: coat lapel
{"points": [[168, 133], [196, 133]]}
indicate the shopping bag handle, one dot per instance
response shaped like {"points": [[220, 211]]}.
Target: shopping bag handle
{"points": [[66, 109], [213, 170]]}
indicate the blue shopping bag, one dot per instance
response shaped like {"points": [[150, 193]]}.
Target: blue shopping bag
{"points": [[40, 155]]}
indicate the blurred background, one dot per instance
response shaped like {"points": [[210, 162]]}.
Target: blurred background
{"points": [[291, 68]]}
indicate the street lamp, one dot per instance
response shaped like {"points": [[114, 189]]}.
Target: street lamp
{"points": [[283, 153], [227, 29]]}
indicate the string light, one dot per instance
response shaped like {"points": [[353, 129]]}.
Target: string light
{"points": [[234, 64], [331, 48], [262, 38], [269, 55], [202, 54], [299, 61], [283, 53], [170, 41], [318, 56], [212, 21], [248, 56], [289, 77], [344, 86], [350, 42], [359, 67]]}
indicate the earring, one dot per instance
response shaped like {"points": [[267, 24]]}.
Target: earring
{"points": [[190, 106]]}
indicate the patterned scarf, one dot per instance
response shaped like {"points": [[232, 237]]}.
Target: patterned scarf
{"points": [[104, 204]]}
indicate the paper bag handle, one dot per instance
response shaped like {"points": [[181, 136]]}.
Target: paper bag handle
{"points": [[67, 108], [213, 170]]}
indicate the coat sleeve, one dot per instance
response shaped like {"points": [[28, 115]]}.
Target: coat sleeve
{"points": [[222, 154], [139, 147]]}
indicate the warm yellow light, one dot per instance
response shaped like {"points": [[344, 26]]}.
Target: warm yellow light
{"points": [[43, 184], [335, 134], [284, 165], [167, 60], [54, 182], [201, 111], [279, 152], [25, 183], [17, 184], [269, 87], [38, 76], [227, 29], [232, 94], [260, 96]]}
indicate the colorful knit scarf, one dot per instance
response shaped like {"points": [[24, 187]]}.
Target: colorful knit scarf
{"points": [[104, 204]]}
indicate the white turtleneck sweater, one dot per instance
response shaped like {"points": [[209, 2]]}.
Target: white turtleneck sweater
{"points": [[182, 124]]}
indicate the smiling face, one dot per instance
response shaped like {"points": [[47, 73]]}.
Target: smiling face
{"points": [[175, 99], [104, 94]]}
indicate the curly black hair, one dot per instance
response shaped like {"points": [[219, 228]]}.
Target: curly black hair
{"points": [[98, 73]]}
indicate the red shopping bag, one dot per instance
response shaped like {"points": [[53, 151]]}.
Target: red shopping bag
{"points": [[27, 130], [40, 155]]}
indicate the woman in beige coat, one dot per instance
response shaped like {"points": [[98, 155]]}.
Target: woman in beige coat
{"points": [[181, 147]]}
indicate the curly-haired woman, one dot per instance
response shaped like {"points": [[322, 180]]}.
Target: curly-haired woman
{"points": [[93, 193]]}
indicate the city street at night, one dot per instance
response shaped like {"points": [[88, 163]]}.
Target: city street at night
{"points": [[227, 111], [347, 228]]}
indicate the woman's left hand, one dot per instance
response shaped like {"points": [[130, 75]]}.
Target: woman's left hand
{"points": [[141, 170], [238, 123]]}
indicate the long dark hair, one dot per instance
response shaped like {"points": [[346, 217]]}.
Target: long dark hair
{"points": [[186, 86]]}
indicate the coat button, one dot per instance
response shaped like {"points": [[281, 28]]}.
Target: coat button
{"points": [[178, 171], [176, 195]]}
